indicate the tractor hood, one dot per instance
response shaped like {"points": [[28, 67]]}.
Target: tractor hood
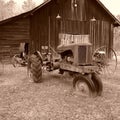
{"points": [[63, 48]]}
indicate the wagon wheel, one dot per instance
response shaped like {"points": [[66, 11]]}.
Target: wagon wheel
{"points": [[84, 86], [106, 59]]}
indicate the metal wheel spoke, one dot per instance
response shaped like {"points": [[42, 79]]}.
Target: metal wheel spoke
{"points": [[108, 58]]}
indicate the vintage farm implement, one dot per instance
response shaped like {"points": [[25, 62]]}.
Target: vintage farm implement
{"points": [[79, 60]]}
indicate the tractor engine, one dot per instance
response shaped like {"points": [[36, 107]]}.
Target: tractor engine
{"points": [[76, 54]]}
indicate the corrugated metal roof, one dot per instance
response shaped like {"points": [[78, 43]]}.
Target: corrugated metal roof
{"points": [[31, 12]]}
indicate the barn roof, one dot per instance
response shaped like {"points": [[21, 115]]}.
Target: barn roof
{"points": [[117, 22], [31, 12]]}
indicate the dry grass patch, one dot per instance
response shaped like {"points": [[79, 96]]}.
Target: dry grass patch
{"points": [[54, 99]]}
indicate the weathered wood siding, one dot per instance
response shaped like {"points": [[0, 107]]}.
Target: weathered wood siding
{"points": [[78, 10], [75, 20], [44, 25], [100, 32], [39, 29], [87, 9], [74, 27], [13, 33], [93, 9]]}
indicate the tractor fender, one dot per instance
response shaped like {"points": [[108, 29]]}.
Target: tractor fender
{"points": [[98, 83]]}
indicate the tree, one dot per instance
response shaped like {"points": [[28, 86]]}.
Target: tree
{"points": [[2, 9], [10, 8], [7, 9], [28, 5]]}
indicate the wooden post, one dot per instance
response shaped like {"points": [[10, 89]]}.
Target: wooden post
{"points": [[49, 34]]}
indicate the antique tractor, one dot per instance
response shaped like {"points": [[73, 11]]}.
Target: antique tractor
{"points": [[76, 59]]}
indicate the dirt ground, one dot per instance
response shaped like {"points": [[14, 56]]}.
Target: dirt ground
{"points": [[54, 98]]}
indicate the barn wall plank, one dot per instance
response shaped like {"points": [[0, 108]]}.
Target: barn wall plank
{"points": [[14, 33]]}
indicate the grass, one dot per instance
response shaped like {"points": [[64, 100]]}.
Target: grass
{"points": [[54, 99]]}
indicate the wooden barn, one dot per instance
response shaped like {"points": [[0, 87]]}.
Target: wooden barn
{"points": [[58, 21]]}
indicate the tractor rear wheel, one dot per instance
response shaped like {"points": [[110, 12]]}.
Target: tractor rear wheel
{"points": [[98, 83], [84, 86], [35, 67]]}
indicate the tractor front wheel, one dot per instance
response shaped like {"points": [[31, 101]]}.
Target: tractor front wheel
{"points": [[84, 86]]}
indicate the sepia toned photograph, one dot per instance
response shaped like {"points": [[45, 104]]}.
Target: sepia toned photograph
{"points": [[59, 59]]}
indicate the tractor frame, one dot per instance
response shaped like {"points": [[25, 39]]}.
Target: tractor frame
{"points": [[76, 59]]}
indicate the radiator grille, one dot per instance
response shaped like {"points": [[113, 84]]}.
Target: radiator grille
{"points": [[85, 54]]}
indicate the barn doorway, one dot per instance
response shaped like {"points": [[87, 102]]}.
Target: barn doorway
{"points": [[24, 48]]}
